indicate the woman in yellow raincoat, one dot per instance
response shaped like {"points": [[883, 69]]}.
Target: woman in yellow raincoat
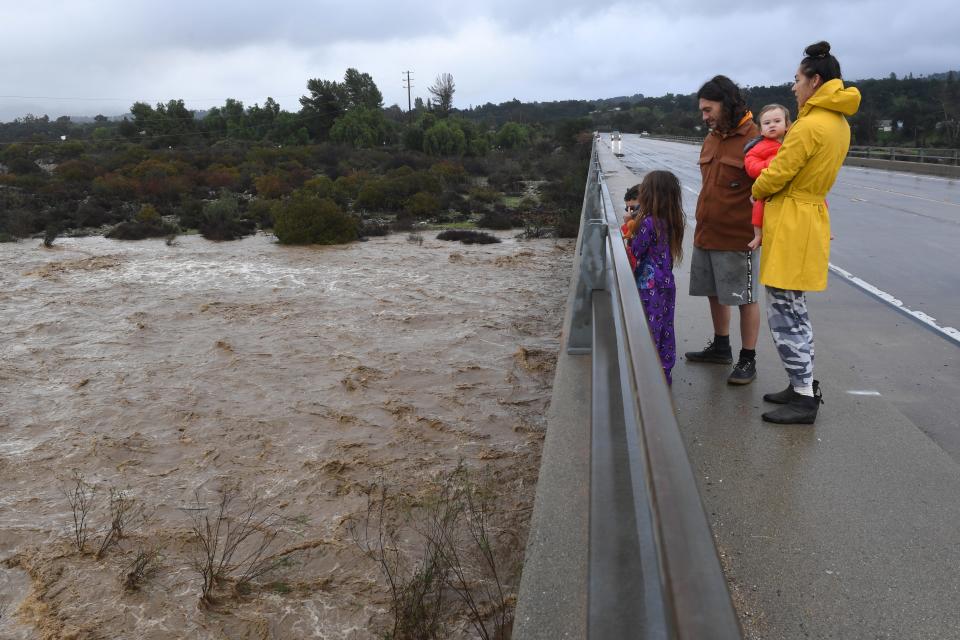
{"points": [[796, 223]]}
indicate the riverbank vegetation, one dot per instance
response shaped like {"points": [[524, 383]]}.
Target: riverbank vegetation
{"points": [[340, 168]]}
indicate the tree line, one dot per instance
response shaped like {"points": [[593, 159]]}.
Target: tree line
{"points": [[337, 169], [58, 175], [923, 111]]}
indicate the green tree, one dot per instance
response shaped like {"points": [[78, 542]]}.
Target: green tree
{"points": [[165, 125], [322, 107], [260, 120], [227, 121], [361, 91], [444, 139], [361, 128], [513, 135]]}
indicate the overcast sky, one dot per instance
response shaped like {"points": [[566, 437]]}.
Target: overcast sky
{"points": [[83, 57]]}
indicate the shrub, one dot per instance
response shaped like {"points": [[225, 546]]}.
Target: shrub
{"points": [[307, 219], [94, 212], [22, 166], [404, 222], [568, 223], [20, 223], [220, 220], [497, 219], [468, 236], [423, 205], [146, 224], [271, 185], [484, 196], [260, 212], [320, 186], [50, 234], [218, 176], [373, 196], [76, 171], [371, 228], [190, 212]]}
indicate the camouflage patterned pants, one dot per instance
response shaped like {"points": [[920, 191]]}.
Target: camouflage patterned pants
{"points": [[792, 333]]}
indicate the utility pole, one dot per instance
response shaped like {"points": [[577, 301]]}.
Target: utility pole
{"points": [[408, 86]]}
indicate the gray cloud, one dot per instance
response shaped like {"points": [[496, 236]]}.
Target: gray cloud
{"points": [[112, 53]]}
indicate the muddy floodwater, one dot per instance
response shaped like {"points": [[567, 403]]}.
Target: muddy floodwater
{"points": [[299, 374]]}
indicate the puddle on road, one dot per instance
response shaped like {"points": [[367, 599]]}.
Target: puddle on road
{"points": [[302, 373]]}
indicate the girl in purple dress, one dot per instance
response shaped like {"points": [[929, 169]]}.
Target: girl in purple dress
{"points": [[657, 244]]}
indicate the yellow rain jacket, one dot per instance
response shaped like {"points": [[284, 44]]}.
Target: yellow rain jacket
{"points": [[796, 224]]}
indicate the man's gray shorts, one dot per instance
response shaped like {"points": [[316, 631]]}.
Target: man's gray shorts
{"points": [[732, 276]]}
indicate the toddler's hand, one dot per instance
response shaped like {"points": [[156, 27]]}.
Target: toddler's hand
{"points": [[756, 242]]}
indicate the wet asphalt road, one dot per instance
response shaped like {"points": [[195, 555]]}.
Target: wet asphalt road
{"points": [[899, 232]]}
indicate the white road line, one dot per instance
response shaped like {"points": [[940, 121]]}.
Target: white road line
{"points": [[916, 177], [948, 332], [864, 392], [900, 193]]}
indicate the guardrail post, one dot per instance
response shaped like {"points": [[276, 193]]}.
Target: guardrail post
{"points": [[592, 263]]}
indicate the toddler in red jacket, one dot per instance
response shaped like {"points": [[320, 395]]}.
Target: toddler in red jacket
{"points": [[758, 154]]}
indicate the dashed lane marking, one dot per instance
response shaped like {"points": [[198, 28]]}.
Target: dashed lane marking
{"points": [[930, 322]]}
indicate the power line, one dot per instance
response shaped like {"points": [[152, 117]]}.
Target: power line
{"points": [[160, 136], [106, 99]]}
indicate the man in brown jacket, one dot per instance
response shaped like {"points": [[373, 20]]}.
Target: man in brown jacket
{"points": [[723, 267]]}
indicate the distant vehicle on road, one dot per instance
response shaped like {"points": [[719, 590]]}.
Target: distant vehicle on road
{"points": [[616, 143]]}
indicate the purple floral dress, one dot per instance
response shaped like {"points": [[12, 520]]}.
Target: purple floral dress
{"points": [[658, 290]]}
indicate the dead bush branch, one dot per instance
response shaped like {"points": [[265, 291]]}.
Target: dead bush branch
{"points": [[234, 541], [79, 494]]}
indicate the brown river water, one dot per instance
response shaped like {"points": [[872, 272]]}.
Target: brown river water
{"points": [[300, 373]]}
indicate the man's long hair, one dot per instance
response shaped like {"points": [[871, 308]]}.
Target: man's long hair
{"points": [[723, 90]]}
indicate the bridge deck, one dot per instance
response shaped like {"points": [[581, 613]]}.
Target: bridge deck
{"points": [[849, 529]]}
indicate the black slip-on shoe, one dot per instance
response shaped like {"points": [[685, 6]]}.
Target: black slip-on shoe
{"points": [[788, 394], [799, 410]]}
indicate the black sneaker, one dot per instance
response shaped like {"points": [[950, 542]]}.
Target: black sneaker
{"points": [[744, 372], [712, 354]]}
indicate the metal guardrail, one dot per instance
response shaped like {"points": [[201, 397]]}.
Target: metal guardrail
{"points": [[926, 155], [684, 139], [653, 568]]}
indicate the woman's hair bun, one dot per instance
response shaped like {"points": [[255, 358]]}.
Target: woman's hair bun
{"points": [[818, 50]]}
